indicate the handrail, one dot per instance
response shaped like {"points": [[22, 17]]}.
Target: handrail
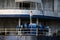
{"points": [[26, 31]]}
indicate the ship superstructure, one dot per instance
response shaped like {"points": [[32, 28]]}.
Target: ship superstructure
{"points": [[29, 17]]}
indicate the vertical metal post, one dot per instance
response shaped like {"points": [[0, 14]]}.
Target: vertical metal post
{"points": [[49, 33], [5, 30], [36, 31], [19, 32], [56, 7], [19, 22], [37, 27], [30, 17], [37, 21], [36, 6], [5, 3]]}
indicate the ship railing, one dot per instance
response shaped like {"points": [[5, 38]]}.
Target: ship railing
{"points": [[27, 31]]}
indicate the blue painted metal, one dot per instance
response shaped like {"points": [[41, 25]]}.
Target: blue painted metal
{"points": [[27, 16]]}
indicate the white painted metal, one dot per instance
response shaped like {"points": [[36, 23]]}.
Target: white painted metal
{"points": [[37, 21], [19, 22], [55, 5], [30, 17], [7, 4], [38, 1], [12, 7], [18, 11], [19, 32]]}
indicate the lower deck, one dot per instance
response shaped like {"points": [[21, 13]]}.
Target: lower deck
{"points": [[10, 25]]}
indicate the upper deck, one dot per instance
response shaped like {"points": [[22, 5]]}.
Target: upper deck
{"points": [[22, 7]]}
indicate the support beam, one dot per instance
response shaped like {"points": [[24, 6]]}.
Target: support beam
{"points": [[5, 31], [19, 22], [36, 6], [37, 28], [41, 5], [56, 2], [37, 21], [19, 32], [30, 17], [55, 5]]}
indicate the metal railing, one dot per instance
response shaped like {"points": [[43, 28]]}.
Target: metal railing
{"points": [[26, 31]]}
